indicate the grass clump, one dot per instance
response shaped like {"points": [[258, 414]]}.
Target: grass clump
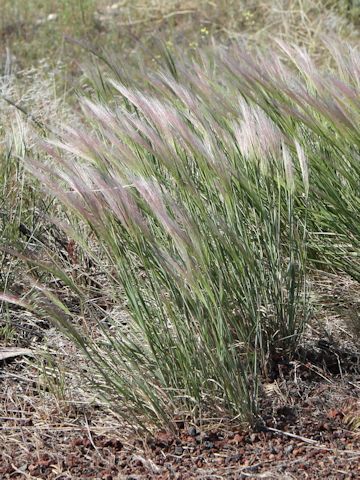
{"points": [[211, 191], [191, 191]]}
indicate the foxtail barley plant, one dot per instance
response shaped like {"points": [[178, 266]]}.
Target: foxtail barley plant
{"points": [[209, 189]]}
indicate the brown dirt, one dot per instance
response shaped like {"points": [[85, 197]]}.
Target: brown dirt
{"points": [[308, 411]]}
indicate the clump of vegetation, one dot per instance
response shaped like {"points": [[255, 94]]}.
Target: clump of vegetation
{"points": [[211, 188], [191, 192]]}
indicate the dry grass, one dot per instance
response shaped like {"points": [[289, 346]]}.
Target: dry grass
{"points": [[36, 31], [338, 304], [46, 407]]}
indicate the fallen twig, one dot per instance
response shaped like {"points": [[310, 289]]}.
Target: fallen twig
{"points": [[292, 435]]}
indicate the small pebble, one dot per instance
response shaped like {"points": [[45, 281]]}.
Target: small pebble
{"points": [[289, 449], [208, 444], [192, 431], [178, 450], [233, 458], [238, 438]]}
